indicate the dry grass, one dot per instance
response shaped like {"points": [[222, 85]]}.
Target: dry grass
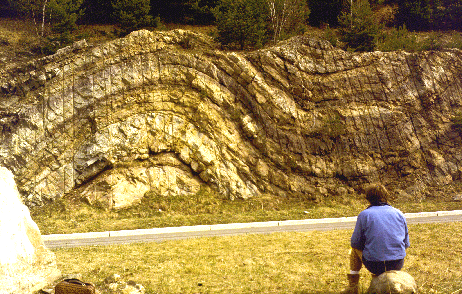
{"points": [[207, 207], [14, 31], [17, 38], [308, 262]]}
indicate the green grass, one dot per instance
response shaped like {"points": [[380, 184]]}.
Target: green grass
{"points": [[308, 262], [206, 207]]}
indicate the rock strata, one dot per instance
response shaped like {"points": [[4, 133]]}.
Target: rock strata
{"points": [[168, 112]]}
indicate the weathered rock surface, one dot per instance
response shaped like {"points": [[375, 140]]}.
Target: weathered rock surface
{"points": [[393, 282], [25, 264], [168, 112]]}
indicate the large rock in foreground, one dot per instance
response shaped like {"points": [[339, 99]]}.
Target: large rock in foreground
{"points": [[25, 264], [393, 282]]}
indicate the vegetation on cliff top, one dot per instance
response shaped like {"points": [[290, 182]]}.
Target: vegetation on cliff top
{"points": [[359, 25]]}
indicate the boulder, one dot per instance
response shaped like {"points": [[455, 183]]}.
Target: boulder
{"points": [[393, 282], [26, 265]]}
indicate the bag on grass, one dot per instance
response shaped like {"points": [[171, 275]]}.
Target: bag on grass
{"points": [[74, 286]]}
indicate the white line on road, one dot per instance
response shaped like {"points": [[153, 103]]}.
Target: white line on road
{"points": [[232, 226]]}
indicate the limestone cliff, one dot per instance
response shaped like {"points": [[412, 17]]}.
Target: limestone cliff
{"points": [[168, 112]]}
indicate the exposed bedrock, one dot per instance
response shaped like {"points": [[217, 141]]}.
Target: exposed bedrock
{"points": [[168, 112]]}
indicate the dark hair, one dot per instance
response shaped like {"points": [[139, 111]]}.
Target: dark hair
{"points": [[376, 194]]}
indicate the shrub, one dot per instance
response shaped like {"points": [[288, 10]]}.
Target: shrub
{"points": [[359, 30], [456, 40], [452, 18], [97, 11], [325, 11], [200, 11], [242, 23], [330, 35], [419, 15], [397, 39], [432, 42], [59, 15], [64, 15], [287, 17], [132, 15]]}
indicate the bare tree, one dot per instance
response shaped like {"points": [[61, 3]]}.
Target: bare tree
{"points": [[44, 6], [35, 9], [286, 16], [49, 13]]}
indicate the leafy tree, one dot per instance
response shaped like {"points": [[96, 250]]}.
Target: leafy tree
{"points": [[200, 11], [60, 15], [325, 11], [417, 15], [452, 16], [398, 39], [5, 9], [132, 14], [97, 11], [287, 16], [64, 15], [358, 27], [169, 10], [184, 11], [242, 23], [34, 10]]}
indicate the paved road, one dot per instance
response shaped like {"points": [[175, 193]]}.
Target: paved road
{"points": [[177, 233]]}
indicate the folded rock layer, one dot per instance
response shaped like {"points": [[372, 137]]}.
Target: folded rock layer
{"points": [[169, 113]]}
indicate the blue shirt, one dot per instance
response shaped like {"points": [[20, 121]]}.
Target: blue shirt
{"points": [[381, 233]]}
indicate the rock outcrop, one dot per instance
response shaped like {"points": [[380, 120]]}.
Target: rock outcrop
{"points": [[25, 264], [168, 112]]}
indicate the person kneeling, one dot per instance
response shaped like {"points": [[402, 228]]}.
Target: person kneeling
{"points": [[379, 240]]}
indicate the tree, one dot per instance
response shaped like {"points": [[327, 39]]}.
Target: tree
{"points": [[97, 11], [5, 9], [169, 10], [286, 16], [325, 11], [417, 15], [242, 23], [184, 11], [64, 15], [33, 9], [132, 14], [200, 11], [60, 15], [358, 27], [451, 16]]}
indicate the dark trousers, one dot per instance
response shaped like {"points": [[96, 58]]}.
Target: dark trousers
{"points": [[375, 267], [379, 267]]}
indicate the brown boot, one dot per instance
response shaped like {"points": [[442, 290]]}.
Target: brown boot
{"points": [[353, 285]]}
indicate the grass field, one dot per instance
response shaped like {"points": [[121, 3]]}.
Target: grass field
{"points": [[308, 262], [204, 208]]}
